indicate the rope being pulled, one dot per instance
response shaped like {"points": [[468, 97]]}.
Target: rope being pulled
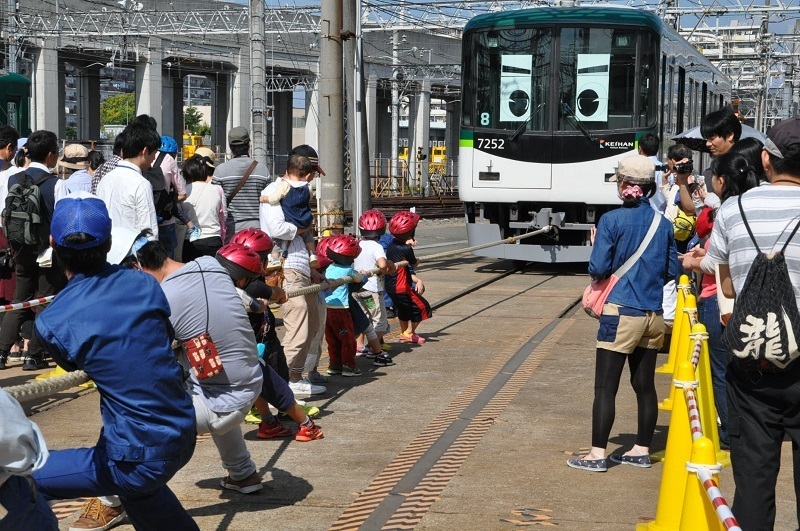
{"points": [[51, 386]]}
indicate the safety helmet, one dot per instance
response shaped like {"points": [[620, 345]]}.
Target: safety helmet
{"points": [[256, 240], [372, 223], [240, 261], [343, 249], [404, 222], [322, 253], [168, 145]]}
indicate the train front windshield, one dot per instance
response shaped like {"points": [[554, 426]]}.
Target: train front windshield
{"points": [[605, 79]]}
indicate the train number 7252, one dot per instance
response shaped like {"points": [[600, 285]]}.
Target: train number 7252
{"points": [[491, 143]]}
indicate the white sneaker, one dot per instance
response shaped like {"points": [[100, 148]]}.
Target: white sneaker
{"points": [[305, 388]]}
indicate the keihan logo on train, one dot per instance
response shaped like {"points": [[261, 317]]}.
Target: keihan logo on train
{"points": [[622, 146]]}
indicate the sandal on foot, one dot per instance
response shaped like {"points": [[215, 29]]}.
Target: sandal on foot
{"points": [[592, 465], [642, 461]]}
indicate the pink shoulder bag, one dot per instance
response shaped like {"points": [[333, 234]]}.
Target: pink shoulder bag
{"points": [[596, 293]]}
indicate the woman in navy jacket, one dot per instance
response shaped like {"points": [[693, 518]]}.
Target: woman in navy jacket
{"points": [[631, 325]]}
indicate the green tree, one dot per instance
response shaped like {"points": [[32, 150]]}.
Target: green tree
{"points": [[192, 120], [204, 130], [118, 109], [70, 133]]}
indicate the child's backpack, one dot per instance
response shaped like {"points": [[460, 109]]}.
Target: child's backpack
{"points": [[22, 216], [765, 324], [162, 199]]}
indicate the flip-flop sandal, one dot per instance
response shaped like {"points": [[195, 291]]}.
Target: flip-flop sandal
{"points": [[591, 465], [642, 461]]}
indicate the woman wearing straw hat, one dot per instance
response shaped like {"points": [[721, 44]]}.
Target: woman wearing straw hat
{"points": [[73, 166], [631, 324]]}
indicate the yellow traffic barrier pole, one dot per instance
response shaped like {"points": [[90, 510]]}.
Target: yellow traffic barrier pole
{"points": [[705, 394], [683, 350], [679, 449], [682, 289], [697, 513]]}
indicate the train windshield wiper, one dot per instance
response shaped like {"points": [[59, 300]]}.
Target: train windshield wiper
{"points": [[566, 110], [518, 131]]}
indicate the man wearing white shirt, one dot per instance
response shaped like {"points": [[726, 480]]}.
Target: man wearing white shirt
{"points": [[126, 193]]}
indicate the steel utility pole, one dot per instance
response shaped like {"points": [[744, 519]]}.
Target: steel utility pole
{"points": [[11, 37], [258, 96], [395, 103], [356, 119], [331, 136]]}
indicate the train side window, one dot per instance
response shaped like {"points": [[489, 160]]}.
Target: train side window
{"points": [[648, 80], [671, 101], [704, 102]]}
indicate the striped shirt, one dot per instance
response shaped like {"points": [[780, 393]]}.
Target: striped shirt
{"points": [[772, 213], [245, 206]]}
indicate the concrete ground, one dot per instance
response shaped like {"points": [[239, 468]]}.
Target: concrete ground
{"points": [[415, 445]]}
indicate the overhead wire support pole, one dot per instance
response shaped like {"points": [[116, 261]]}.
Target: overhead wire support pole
{"points": [[258, 93], [331, 135]]}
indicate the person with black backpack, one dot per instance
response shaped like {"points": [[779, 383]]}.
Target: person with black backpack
{"points": [[126, 192], [756, 245], [26, 224]]}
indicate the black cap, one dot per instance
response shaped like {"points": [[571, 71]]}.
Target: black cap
{"points": [[783, 139], [304, 150]]}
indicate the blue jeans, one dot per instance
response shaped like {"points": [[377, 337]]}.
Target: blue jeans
{"points": [[168, 238], [708, 314], [141, 486], [26, 509]]}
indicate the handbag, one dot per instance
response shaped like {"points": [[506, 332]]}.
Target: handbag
{"points": [[725, 303], [596, 293], [7, 265]]}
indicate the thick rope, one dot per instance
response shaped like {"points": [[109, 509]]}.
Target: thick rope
{"points": [[41, 388], [50, 386]]}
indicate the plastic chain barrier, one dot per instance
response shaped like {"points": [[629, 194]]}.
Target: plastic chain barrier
{"points": [[698, 346], [694, 413], [717, 499], [26, 304], [39, 389]]}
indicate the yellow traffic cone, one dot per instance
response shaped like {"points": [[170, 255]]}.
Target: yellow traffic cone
{"points": [[705, 394], [679, 449], [683, 350], [683, 290], [58, 371], [697, 513]]}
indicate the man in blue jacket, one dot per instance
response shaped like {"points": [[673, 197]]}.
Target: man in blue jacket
{"points": [[113, 323]]}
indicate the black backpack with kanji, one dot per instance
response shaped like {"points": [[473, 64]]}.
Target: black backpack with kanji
{"points": [[765, 324], [23, 211], [161, 198]]}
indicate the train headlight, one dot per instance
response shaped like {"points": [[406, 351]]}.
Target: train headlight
{"points": [[513, 213], [590, 214]]}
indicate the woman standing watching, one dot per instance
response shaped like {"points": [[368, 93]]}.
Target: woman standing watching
{"points": [[205, 206], [631, 325]]}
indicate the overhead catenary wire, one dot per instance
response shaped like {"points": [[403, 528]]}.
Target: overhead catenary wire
{"points": [[39, 389]]}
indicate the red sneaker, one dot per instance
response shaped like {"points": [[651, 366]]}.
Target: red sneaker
{"points": [[265, 431], [306, 433]]}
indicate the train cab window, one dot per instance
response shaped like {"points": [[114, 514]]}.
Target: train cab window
{"points": [[598, 79], [511, 69]]}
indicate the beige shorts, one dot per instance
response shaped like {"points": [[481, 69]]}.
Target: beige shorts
{"points": [[623, 329], [374, 307]]}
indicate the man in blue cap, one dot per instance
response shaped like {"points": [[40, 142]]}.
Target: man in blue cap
{"points": [[113, 323]]}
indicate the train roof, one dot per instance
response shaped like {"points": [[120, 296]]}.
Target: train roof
{"points": [[612, 15]]}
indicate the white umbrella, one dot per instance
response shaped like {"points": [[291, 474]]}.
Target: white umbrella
{"points": [[695, 141]]}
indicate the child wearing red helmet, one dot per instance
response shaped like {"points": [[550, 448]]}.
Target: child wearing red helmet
{"points": [[339, 330], [411, 307], [372, 225]]}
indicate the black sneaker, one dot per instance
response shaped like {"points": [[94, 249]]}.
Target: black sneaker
{"points": [[32, 363], [391, 313], [382, 360], [3, 360]]}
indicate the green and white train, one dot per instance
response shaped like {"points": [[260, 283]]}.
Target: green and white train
{"points": [[552, 99]]}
